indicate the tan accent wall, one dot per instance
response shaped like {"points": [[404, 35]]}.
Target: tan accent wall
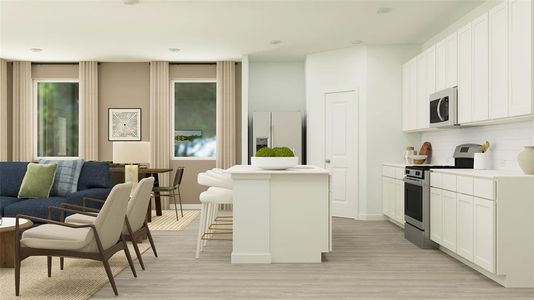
{"points": [[59, 71], [122, 85], [9, 110]]}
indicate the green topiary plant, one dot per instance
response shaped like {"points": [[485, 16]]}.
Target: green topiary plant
{"points": [[265, 152], [283, 152]]}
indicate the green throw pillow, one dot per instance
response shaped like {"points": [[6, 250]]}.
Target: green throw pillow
{"points": [[37, 181]]}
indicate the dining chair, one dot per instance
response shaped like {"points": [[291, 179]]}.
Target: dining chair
{"points": [[136, 226], [98, 241], [172, 191]]}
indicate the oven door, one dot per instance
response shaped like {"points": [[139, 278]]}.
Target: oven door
{"points": [[413, 202]]}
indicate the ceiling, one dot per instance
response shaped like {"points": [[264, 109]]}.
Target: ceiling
{"points": [[109, 30]]}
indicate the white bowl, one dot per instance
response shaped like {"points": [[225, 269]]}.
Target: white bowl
{"points": [[274, 163], [418, 157]]}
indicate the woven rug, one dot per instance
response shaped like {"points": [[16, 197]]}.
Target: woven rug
{"points": [[80, 279], [167, 221]]}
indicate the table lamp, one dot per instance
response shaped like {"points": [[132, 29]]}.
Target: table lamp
{"points": [[131, 153]]}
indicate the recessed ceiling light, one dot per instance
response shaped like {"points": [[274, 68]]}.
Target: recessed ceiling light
{"points": [[356, 42], [174, 49], [130, 2], [275, 42], [36, 49], [383, 10]]}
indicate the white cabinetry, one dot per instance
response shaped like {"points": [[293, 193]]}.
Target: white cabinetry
{"points": [[448, 199], [480, 69], [436, 215], [465, 63], [498, 61], [446, 62], [520, 53], [409, 95], [466, 234], [484, 230], [393, 193]]}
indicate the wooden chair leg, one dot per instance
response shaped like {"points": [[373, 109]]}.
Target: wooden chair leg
{"points": [[61, 263], [17, 273], [149, 235], [49, 265], [110, 274], [134, 243], [128, 256]]}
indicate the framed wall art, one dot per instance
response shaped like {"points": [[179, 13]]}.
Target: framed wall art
{"points": [[124, 124]]}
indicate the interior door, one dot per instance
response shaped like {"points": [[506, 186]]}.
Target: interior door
{"points": [[341, 132]]}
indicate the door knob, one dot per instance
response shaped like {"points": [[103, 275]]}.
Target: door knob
{"points": [[327, 161]]}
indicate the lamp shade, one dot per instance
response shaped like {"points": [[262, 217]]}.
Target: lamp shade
{"points": [[131, 152]]}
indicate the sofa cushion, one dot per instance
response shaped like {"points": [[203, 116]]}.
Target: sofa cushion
{"points": [[94, 175], [99, 193], [6, 201], [67, 175], [11, 175], [38, 181], [37, 207]]}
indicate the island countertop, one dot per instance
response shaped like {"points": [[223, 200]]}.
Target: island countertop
{"points": [[301, 169]]}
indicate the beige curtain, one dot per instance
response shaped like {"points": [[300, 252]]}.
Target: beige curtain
{"points": [[160, 119], [3, 110], [23, 112], [88, 110], [226, 124]]}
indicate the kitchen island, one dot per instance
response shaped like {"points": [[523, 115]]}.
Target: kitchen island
{"points": [[280, 216]]}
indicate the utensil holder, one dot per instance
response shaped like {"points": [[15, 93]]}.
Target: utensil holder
{"points": [[482, 161]]}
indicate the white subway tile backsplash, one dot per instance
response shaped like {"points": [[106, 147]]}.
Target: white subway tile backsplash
{"points": [[507, 140]]}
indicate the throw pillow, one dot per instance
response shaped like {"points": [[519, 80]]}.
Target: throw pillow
{"points": [[67, 175], [37, 181]]}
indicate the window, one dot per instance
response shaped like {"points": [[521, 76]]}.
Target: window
{"points": [[57, 118], [194, 118]]}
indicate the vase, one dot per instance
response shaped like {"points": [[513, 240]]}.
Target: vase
{"points": [[525, 159]]}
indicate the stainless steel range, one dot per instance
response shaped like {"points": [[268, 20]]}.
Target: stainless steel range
{"points": [[417, 195]]}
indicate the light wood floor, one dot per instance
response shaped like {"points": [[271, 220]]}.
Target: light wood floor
{"points": [[371, 260]]}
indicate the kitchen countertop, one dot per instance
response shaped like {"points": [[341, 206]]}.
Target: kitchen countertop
{"points": [[301, 169], [491, 174]]}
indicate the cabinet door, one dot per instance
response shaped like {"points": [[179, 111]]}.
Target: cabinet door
{"points": [[430, 73], [413, 94], [449, 220], [484, 226], [465, 61], [399, 201], [520, 63], [441, 55], [405, 96], [498, 61], [465, 233], [388, 197], [436, 215], [422, 95], [480, 101], [451, 63]]}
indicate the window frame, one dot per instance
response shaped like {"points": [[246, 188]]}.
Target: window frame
{"points": [[173, 107], [36, 117]]}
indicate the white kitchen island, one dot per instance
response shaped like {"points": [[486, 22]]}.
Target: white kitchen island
{"points": [[280, 216]]}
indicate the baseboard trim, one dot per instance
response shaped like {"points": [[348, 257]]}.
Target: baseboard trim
{"points": [[371, 217], [186, 206]]}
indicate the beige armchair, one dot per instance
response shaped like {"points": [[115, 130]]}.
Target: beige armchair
{"points": [[135, 226], [97, 241]]}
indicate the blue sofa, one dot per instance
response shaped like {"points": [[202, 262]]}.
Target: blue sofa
{"points": [[95, 181]]}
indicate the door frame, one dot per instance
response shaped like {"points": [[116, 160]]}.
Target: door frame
{"points": [[359, 158]]}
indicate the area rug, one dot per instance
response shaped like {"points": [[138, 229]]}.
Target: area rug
{"points": [[80, 279], [167, 221]]}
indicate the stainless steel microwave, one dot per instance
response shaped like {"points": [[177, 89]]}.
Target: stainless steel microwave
{"points": [[444, 108]]}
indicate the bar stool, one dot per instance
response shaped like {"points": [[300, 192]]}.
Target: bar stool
{"points": [[210, 199]]}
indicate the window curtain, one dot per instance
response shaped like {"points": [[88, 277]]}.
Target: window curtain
{"points": [[23, 112], [160, 119], [88, 110], [226, 124], [3, 110]]}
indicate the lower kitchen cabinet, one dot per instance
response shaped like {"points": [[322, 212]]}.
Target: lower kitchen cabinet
{"points": [[465, 227], [399, 201], [448, 239], [436, 215], [484, 233], [393, 194]]}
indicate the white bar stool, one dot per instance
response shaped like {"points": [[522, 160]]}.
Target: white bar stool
{"points": [[210, 199]]}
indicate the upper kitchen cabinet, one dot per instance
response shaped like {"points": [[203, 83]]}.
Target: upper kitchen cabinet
{"points": [[465, 65], [520, 54], [447, 63], [498, 61], [409, 95], [480, 69]]}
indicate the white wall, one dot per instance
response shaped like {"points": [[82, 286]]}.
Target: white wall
{"points": [[376, 72], [275, 86]]}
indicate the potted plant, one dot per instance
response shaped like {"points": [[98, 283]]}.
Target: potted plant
{"points": [[277, 158]]}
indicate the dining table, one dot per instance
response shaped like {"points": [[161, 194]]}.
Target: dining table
{"points": [[148, 172]]}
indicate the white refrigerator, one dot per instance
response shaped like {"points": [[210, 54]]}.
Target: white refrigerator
{"points": [[277, 129]]}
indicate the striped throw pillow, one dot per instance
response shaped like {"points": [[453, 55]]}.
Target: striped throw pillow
{"points": [[67, 174]]}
